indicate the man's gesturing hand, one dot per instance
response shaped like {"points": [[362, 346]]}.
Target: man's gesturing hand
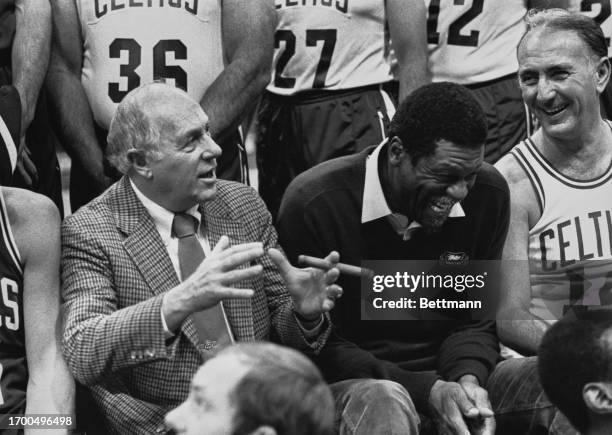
{"points": [[451, 407], [313, 290], [212, 281]]}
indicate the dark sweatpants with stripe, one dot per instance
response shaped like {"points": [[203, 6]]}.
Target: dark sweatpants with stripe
{"points": [[41, 143], [298, 132], [508, 121]]}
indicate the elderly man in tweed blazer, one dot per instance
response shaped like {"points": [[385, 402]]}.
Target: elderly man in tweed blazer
{"points": [[129, 335]]}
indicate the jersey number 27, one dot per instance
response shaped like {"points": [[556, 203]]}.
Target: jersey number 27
{"points": [[313, 36]]}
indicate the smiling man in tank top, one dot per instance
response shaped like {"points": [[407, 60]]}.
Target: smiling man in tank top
{"points": [[560, 182]]}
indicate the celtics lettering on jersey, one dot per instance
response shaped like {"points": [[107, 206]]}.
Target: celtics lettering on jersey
{"points": [[579, 238], [577, 251], [127, 43], [570, 246], [328, 44], [102, 7], [339, 5]]}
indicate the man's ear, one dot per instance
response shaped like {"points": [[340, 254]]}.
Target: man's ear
{"points": [[603, 74], [264, 430], [598, 397], [139, 162], [396, 151]]}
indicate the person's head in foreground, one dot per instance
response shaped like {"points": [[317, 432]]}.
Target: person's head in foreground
{"points": [[563, 68], [575, 365], [436, 145], [256, 389], [160, 137]]}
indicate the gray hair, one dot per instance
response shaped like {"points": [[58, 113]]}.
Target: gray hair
{"points": [[560, 19], [134, 127]]}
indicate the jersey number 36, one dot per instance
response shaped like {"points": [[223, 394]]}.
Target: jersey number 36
{"points": [[160, 69]]}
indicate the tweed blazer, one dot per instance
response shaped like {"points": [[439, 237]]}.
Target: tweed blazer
{"points": [[115, 271]]}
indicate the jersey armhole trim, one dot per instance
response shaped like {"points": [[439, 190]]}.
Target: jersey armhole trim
{"points": [[10, 144], [7, 235], [531, 176]]}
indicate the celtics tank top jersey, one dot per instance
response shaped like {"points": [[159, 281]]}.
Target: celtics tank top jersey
{"points": [[473, 41], [129, 43], [328, 44], [570, 247], [13, 367]]}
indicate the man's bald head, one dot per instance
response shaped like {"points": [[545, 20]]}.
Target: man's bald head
{"points": [[146, 116]]}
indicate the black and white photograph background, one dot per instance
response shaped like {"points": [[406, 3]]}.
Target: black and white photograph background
{"points": [[306, 217]]}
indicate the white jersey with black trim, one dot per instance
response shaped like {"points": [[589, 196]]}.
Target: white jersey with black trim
{"points": [[127, 43], [328, 44], [570, 247], [473, 41]]}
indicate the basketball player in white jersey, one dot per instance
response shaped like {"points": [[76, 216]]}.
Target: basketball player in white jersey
{"points": [[558, 253], [474, 43], [219, 51], [324, 99]]}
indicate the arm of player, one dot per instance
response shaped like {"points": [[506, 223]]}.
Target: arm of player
{"points": [[248, 36], [516, 326], [70, 111], [29, 60], [50, 385], [407, 19], [30, 53]]}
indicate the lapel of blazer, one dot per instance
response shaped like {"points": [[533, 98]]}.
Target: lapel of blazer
{"points": [[219, 221], [145, 247]]}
